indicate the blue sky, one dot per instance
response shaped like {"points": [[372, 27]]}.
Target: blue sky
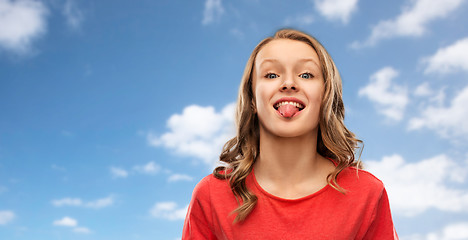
{"points": [[112, 111]]}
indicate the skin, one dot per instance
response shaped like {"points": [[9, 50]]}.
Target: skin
{"points": [[288, 165]]}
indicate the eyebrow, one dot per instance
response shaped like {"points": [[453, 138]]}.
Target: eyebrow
{"points": [[273, 60]]}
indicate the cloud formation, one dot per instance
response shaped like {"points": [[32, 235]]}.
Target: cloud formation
{"points": [[212, 12], [66, 222], [6, 217], [389, 98], [72, 14], [453, 231], [149, 168], [423, 90], [77, 202], [198, 132], [21, 22], [179, 177], [336, 10], [412, 21], [100, 203], [83, 230], [72, 223], [448, 121], [67, 202], [301, 20], [416, 187], [117, 172], [168, 211], [448, 59]]}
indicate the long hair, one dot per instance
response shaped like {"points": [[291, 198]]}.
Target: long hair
{"points": [[334, 140]]}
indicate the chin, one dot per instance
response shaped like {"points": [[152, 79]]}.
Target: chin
{"points": [[288, 132], [292, 134]]}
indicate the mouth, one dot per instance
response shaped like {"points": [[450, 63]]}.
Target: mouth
{"points": [[289, 107]]}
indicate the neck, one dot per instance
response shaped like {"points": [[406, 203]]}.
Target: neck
{"points": [[288, 160]]}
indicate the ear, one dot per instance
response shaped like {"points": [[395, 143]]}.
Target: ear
{"points": [[253, 106]]}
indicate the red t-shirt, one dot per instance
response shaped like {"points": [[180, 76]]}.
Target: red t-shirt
{"points": [[362, 213]]}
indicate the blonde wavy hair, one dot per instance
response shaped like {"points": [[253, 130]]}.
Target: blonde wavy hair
{"points": [[334, 141]]}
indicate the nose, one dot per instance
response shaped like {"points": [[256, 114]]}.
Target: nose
{"points": [[289, 85]]}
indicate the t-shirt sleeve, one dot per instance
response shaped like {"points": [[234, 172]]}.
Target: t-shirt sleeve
{"points": [[382, 224], [198, 224]]}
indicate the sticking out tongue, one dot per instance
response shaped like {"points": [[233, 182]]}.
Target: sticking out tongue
{"points": [[288, 110]]}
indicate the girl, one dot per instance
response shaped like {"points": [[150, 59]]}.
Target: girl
{"points": [[291, 172]]}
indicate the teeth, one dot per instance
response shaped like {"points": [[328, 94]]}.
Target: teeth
{"points": [[298, 105]]}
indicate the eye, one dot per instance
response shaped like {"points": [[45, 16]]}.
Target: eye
{"points": [[271, 75], [306, 75]]}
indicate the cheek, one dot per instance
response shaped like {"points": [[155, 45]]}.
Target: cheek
{"points": [[262, 99], [259, 101], [315, 97], [316, 92]]}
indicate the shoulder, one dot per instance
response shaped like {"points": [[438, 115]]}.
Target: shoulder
{"points": [[361, 180], [355, 176], [201, 195], [361, 176], [208, 186], [213, 195], [203, 187]]}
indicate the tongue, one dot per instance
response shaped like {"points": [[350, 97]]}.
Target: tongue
{"points": [[288, 110]]}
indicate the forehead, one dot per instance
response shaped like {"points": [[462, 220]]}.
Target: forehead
{"points": [[286, 50]]}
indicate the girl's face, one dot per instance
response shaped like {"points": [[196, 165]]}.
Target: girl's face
{"points": [[288, 87]]}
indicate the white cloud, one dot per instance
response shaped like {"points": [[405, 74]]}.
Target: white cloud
{"points": [[449, 121], [73, 14], [423, 90], [412, 21], [118, 172], [336, 9], [6, 217], [77, 202], [149, 168], [67, 202], [301, 20], [454, 231], [449, 59], [418, 186], [70, 222], [428, 96], [82, 230], [21, 22], [237, 33], [168, 210], [390, 99], [100, 203], [179, 177], [212, 12], [198, 132], [66, 222]]}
